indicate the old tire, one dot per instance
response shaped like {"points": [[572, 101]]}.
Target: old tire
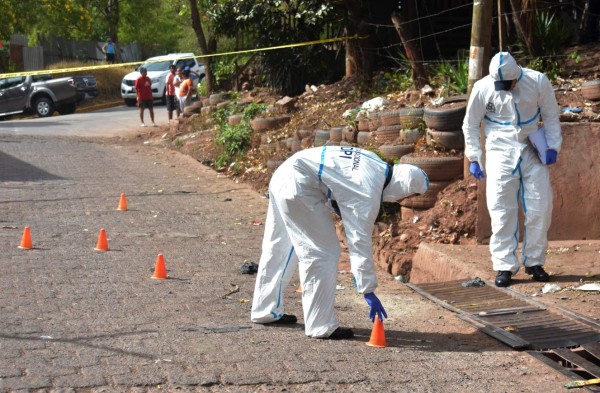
{"points": [[590, 90], [394, 152], [437, 168], [446, 139], [426, 200], [411, 117], [259, 124], [44, 107], [447, 117]]}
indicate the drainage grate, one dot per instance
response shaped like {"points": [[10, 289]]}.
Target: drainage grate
{"points": [[564, 340], [512, 318]]}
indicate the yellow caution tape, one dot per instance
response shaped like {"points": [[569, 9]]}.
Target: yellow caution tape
{"points": [[104, 66]]}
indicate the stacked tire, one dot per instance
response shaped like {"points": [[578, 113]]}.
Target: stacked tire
{"points": [[444, 124], [398, 132], [441, 171]]}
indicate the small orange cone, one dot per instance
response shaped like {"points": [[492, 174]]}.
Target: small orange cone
{"points": [[26, 239], [122, 203], [299, 289], [377, 335], [160, 271], [102, 244]]}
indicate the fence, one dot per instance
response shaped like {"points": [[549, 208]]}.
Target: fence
{"points": [[56, 49]]}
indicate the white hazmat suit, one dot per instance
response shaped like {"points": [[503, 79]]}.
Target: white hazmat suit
{"points": [[515, 175], [300, 231]]}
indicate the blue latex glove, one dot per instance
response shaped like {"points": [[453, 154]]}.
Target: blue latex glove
{"points": [[551, 156], [376, 307], [476, 170]]}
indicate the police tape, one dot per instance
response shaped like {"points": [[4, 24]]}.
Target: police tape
{"points": [[119, 65]]}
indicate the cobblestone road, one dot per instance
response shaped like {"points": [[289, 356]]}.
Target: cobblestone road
{"points": [[76, 319]]}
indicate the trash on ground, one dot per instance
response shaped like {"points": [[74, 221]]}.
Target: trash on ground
{"points": [[551, 288], [256, 223], [589, 287], [340, 287], [476, 282], [249, 268], [231, 291]]}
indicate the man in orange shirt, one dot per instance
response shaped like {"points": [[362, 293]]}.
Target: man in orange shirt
{"points": [[143, 89], [185, 90]]}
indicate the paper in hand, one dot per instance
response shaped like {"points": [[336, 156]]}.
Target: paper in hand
{"points": [[538, 140]]}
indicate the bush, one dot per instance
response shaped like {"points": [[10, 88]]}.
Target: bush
{"points": [[234, 140]]}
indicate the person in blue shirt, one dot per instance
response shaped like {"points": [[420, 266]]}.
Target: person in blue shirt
{"points": [[109, 51]]}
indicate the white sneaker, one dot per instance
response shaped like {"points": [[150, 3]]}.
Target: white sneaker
{"points": [[142, 125], [154, 125]]}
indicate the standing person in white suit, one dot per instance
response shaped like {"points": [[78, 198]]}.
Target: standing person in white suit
{"points": [[300, 231], [508, 104]]}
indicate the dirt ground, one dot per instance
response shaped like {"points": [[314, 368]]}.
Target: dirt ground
{"points": [[398, 233]]}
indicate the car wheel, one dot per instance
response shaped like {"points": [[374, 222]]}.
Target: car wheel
{"points": [[67, 109], [130, 101], [44, 107]]}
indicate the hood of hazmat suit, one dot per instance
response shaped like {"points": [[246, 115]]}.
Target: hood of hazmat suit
{"points": [[406, 181], [504, 67]]}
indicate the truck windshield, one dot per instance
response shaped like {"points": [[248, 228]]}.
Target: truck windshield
{"points": [[157, 66]]}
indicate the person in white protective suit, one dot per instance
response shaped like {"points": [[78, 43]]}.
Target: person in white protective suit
{"points": [[508, 104], [300, 231]]}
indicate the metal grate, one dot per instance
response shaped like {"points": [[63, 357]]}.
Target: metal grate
{"points": [[560, 338], [512, 318]]}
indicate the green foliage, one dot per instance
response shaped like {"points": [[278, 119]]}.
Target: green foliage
{"points": [[551, 33], [453, 76], [396, 80], [548, 65], [237, 139], [276, 22]]}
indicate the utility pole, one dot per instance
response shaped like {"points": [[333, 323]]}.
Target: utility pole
{"points": [[479, 61], [481, 37]]}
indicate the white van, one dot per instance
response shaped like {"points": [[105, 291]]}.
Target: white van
{"points": [[158, 68]]}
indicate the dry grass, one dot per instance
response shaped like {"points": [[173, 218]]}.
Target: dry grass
{"points": [[108, 79]]}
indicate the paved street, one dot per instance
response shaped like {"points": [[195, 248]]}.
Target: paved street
{"points": [[76, 319]]}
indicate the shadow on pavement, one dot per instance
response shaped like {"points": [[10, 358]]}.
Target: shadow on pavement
{"points": [[14, 169]]}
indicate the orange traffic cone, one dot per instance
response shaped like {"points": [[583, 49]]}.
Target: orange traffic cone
{"points": [[122, 203], [299, 289], [377, 335], [102, 244], [160, 271], [26, 239]]}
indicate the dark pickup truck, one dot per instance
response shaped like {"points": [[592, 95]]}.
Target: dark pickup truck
{"points": [[42, 95]]}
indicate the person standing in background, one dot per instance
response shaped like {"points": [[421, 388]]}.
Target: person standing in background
{"points": [[172, 101], [143, 90], [109, 51], [185, 90]]}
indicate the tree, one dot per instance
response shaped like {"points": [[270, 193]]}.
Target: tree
{"points": [[203, 44]]}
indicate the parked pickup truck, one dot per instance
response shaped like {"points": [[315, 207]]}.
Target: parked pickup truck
{"points": [[42, 95]]}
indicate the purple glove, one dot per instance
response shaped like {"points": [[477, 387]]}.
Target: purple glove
{"points": [[376, 307], [476, 170], [551, 156]]}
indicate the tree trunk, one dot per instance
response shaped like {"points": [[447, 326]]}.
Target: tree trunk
{"points": [[523, 14], [411, 47], [112, 16], [359, 53], [204, 46]]}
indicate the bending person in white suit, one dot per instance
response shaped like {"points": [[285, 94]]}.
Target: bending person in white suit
{"points": [[300, 231]]}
